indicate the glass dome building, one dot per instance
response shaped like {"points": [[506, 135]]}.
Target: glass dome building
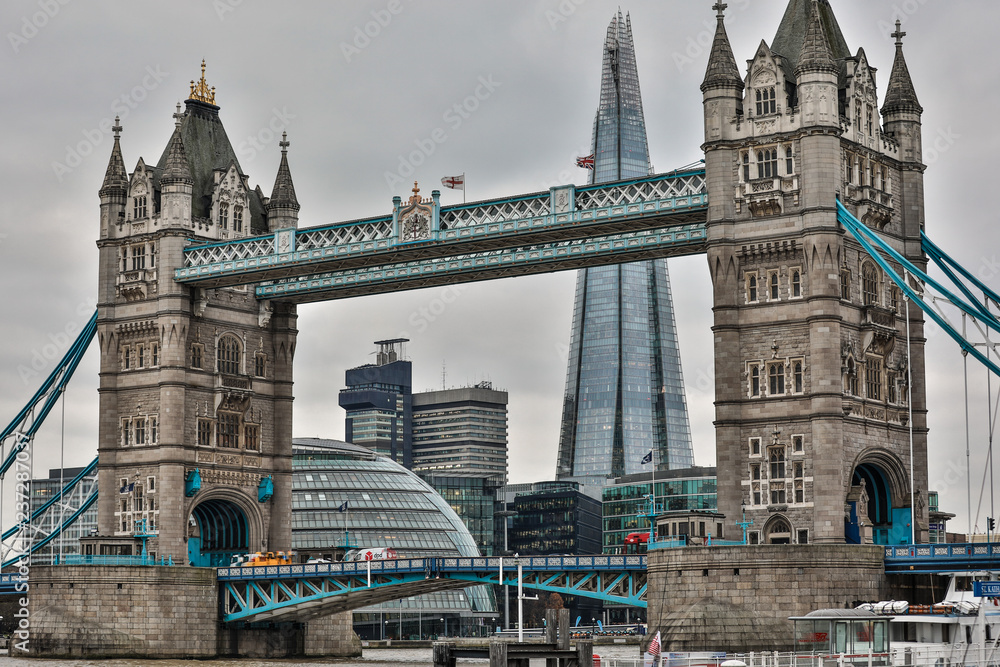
{"points": [[386, 506]]}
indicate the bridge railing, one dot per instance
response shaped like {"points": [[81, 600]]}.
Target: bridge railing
{"points": [[939, 551], [325, 569]]}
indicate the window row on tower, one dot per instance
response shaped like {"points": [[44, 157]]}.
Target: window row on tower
{"points": [[768, 285], [137, 509], [139, 431], [775, 377], [137, 256], [875, 289], [775, 475], [229, 358], [137, 356], [229, 430], [773, 161]]}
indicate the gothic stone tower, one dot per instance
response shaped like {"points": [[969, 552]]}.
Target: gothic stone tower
{"points": [[812, 398], [196, 385]]}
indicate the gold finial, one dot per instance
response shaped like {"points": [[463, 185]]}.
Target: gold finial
{"points": [[200, 91], [415, 199]]}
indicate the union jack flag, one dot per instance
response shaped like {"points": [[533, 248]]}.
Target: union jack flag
{"points": [[654, 645], [585, 162], [454, 182]]}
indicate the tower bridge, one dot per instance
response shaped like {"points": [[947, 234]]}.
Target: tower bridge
{"points": [[809, 210]]}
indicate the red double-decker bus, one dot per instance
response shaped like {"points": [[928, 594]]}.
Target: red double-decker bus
{"points": [[635, 543]]}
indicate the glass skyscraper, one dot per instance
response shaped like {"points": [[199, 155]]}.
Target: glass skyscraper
{"points": [[624, 387]]}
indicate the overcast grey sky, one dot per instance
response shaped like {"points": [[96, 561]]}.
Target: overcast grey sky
{"points": [[359, 86]]}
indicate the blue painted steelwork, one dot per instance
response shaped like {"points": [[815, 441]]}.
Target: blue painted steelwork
{"points": [[24, 426], [305, 591], [647, 203], [192, 483], [875, 246], [548, 257], [45, 524], [265, 490], [942, 558]]}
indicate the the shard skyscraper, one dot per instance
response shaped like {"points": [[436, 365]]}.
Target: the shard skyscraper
{"points": [[624, 387]]}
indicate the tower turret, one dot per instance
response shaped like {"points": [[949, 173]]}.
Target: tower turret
{"points": [[283, 207], [114, 190], [176, 183], [902, 111], [817, 75], [722, 89]]}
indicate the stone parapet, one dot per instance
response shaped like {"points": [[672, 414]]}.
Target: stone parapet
{"points": [[739, 598], [160, 612]]}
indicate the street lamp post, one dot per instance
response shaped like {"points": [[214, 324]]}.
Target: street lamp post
{"points": [[445, 622]]}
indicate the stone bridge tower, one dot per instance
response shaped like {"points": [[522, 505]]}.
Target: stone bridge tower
{"points": [[196, 385], [813, 401]]}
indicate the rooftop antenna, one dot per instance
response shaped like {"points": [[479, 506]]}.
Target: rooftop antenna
{"points": [[444, 373]]}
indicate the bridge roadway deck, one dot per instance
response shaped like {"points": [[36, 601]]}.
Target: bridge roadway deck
{"points": [[313, 590], [301, 592]]}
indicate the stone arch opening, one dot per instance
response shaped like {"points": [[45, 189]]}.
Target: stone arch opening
{"points": [[778, 531], [218, 528], [878, 501]]}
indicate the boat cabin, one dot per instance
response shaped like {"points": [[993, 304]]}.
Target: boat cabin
{"points": [[853, 632]]}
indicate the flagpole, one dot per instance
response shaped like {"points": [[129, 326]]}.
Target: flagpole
{"points": [[464, 187]]}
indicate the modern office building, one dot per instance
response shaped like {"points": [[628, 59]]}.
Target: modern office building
{"points": [[624, 388], [473, 497], [378, 403], [44, 491], [624, 502], [387, 506], [461, 431], [555, 518]]}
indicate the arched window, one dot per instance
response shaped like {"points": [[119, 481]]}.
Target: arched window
{"points": [[778, 532], [224, 216], [796, 283], [139, 208], [869, 284], [229, 353], [775, 379], [752, 287], [767, 163], [238, 219], [873, 378], [766, 101], [797, 376], [754, 380], [852, 378], [746, 166]]}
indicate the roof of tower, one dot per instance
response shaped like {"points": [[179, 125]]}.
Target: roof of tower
{"points": [[722, 69], [206, 149], [789, 41], [815, 54], [283, 193], [900, 95], [115, 178]]}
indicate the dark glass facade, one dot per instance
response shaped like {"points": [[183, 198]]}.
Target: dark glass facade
{"points": [[624, 501], [624, 386], [472, 498], [379, 404], [555, 518]]}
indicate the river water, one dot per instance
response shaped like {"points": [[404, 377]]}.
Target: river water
{"points": [[383, 657]]}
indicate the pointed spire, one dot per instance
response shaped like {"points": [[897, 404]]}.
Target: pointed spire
{"points": [[176, 169], [722, 70], [900, 96], [816, 55], [283, 194], [115, 178]]}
